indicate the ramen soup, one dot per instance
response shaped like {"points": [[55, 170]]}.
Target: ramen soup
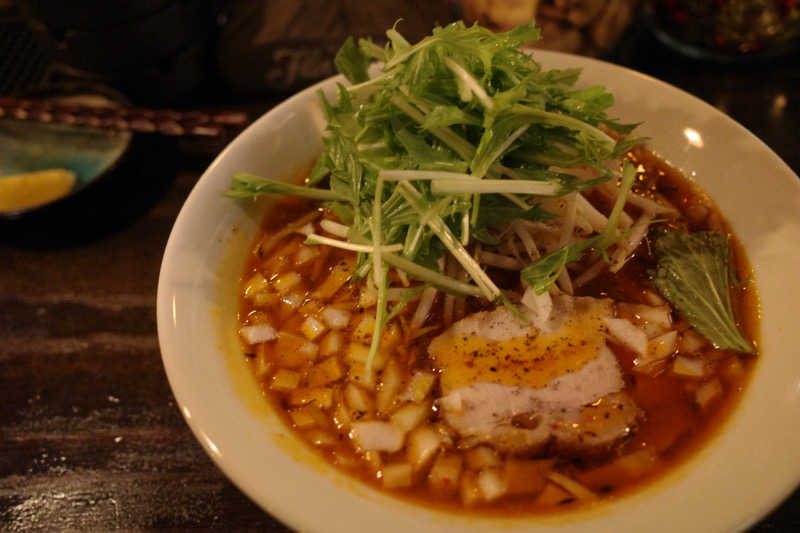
{"points": [[465, 405], [487, 294]]}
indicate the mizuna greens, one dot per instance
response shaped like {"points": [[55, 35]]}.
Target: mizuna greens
{"points": [[458, 136]]}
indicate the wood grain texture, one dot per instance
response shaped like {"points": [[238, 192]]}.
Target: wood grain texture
{"points": [[90, 436]]}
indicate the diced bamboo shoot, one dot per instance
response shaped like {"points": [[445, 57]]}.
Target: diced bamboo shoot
{"points": [[321, 397], [571, 486], [526, 476], [397, 475], [553, 495], [285, 380], [446, 473], [423, 443]]}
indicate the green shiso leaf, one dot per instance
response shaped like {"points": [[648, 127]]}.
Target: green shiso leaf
{"points": [[693, 273]]}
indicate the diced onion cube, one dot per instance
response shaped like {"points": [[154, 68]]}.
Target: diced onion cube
{"points": [[331, 344], [526, 476], [411, 415], [306, 254], [285, 380], [257, 283], [360, 353], [319, 438], [539, 305], [397, 476], [692, 343], [312, 328], [358, 399], [685, 366], [265, 299], [468, 488], [321, 397], [625, 333], [364, 329], [491, 484], [327, 371], [357, 373], [335, 318], [292, 301], [445, 473], [309, 350], [423, 443], [258, 333], [286, 282], [481, 457], [391, 382], [377, 436], [708, 392], [419, 386]]}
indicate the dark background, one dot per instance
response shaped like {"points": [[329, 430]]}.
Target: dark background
{"points": [[90, 436]]}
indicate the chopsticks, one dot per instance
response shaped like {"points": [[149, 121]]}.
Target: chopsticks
{"points": [[140, 120]]}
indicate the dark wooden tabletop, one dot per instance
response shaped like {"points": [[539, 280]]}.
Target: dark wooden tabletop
{"points": [[90, 436]]}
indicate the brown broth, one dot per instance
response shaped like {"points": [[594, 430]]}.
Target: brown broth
{"points": [[674, 426]]}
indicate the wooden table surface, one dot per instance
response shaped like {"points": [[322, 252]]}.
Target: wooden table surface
{"points": [[90, 436]]}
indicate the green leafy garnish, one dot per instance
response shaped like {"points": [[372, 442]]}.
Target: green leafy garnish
{"points": [[694, 274], [473, 124], [543, 273]]}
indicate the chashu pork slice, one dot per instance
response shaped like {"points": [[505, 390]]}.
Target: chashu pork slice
{"points": [[554, 386]]}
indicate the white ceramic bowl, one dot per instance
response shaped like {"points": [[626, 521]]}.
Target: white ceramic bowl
{"points": [[744, 471]]}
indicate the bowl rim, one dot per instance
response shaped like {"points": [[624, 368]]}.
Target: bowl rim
{"points": [[765, 503]]}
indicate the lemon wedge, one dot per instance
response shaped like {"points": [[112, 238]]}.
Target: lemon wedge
{"points": [[22, 191]]}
